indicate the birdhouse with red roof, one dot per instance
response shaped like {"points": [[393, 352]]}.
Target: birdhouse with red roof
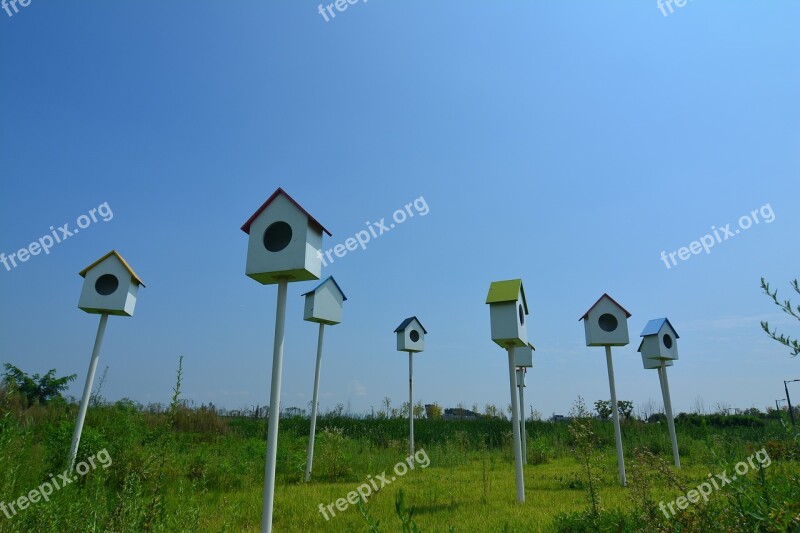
{"points": [[606, 323], [109, 286], [285, 242]]}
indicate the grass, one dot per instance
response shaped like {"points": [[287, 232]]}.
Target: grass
{"points": [[192, 470]]}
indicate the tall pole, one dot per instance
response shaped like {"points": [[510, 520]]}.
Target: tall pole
{"points": [[313, 431], [673, 437], [789, 402], [523, 433], [615, 414], [274, 408], [87, 391], [512, 379], [411, 403]]}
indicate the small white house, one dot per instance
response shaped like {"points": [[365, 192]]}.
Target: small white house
{"points": [[507, 310], [285, 241], [659, 340], [410, 335], [523, 356], [109, 286], [324, 303], [606, 323]]}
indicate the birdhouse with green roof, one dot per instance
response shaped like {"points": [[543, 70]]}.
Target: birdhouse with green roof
{"points": [[285, 242], [410, 335], [508, 310], [324, 303], [109, 286], [606, 323], [659, 341]]}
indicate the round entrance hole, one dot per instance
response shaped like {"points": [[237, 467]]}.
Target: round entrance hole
{"points": [[607, 322], [277, 236], [106, 284]]}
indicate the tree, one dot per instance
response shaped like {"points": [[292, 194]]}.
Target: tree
{"points": [[786, 307], [36, 388], [604, 411], [603, 408]]}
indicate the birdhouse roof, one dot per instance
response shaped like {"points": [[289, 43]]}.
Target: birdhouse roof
{"points": [[404, 324], [311, 220], [134, 277], [506, 291], [326, 280], [654, 326], [605, 295]]}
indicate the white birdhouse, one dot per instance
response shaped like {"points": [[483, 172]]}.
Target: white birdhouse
{"points": [[523, 356], [285, 242], [659, 340], [410, 335], [109, 286], [324, 303], [508, 309], [606, 323]]}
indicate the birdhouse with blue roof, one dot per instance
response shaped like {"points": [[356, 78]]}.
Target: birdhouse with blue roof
{"points": [[606, 323], [508, 309], [285, 242], [659, 341], [410, 335], [324, 303], [109, 286], [523, 356]]}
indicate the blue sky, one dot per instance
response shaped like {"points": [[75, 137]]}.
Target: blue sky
{"points": [[567, 143]]}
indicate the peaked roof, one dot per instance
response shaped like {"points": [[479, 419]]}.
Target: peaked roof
{"points": [[654, 326], [404, 324], [506, 291], [121, 260], [605, 295], [311, 220], [326, 280]]}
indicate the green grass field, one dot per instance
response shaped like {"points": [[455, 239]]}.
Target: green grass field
{"points": [[192, 470]]}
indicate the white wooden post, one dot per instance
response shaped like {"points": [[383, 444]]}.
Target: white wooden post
{"points": [[87, 391], [313, 430], [673, 437], [411, 402], [512, 379], [615, 414], [524, 434], [274, 408]]}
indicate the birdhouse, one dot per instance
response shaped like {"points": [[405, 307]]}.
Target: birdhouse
{"points": [[410, 335], [324, 303], [285, 242], [659, 340], [109, 286], [606, 323], [523, 356], [508, 309]]}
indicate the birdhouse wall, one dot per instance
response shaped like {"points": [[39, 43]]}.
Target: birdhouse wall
{"points": [[404, 342], [324, 306], [655, 346], [602, 330], [298, 260], [120, 302], [521, 379], [523, 356], [650, 364], [507, 328]]}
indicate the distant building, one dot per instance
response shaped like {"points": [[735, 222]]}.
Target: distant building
{"points": [[560, 418], [457, 413]]}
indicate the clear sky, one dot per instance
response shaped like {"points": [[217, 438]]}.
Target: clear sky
{"points": [[566, 143]]}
